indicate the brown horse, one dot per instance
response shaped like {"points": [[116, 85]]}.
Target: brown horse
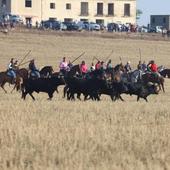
{"points": [[23, 73], [4, 78], [149, 77]]}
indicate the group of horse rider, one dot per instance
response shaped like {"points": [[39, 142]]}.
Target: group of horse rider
{"points": [[65, 66], [150, 67], [13, 66]]}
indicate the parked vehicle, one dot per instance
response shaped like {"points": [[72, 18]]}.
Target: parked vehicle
{"points": [[16, 19], [152, 30], [159, 29], [51, 24], [143, 29], [63, 27], [92, 26], [71, 26]]}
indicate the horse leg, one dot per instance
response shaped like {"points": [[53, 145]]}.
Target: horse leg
{"points": [[30, 93], [159, 86], [78, 96], [138, 97], [96, 96], [50, 94], [57, 90], [68, 95], [2, 86], [120, 97], [65, 91], [24, 95], [86, 97], [146, 99], [168, 75], [13, 89], [163, 88]]}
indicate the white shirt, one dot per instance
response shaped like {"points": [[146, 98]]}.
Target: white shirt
{"points": [[10, 66], [63, 65]]}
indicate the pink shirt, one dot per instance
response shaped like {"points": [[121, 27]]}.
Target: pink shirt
{"points": [[84, 68], [63, 65]]}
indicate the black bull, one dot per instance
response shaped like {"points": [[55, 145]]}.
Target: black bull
{"points": [[88, 87], [93, 88], [47, 85], [142, 90]]}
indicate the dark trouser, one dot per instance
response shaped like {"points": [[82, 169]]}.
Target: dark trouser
{"points": [[63, 71]]}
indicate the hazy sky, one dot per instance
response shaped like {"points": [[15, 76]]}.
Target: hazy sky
{"points": [[150, 7]]}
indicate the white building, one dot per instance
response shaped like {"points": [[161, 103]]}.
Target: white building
{"points": [[100, 11]]}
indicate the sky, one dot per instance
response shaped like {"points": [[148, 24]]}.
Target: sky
{"points": [[152, 7]]}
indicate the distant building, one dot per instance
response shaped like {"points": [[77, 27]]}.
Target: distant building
{"points": [[99, 11], [160, 20]]}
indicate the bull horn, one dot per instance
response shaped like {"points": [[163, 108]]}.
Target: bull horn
{"points": [[150, 84]]}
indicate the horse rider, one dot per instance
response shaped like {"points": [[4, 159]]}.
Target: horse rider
{"points": [[119, 68], [70, 65], [102, 66], [139, 66], [144, 66], [83, 68], [63, 66], [109, 64], [140, 70], [98, 65], [92, 68], [153, 68], [11, 70], [34, 71], [128, 67]]}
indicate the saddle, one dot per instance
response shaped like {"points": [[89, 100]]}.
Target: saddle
{"points": [[8, 73], [33, 75]]}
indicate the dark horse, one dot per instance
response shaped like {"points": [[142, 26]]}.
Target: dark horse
{"points": [[69, 75], [4, 78], [73, 70], [165, 73], [46, 71], [149, 77]]}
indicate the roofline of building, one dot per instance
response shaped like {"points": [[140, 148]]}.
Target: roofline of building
{"points": [[161, 15]]}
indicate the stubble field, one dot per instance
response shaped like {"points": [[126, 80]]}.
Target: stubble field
{"points": [[59, 134]]}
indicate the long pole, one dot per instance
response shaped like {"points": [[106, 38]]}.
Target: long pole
{"points": [[109, 55], [78, 57], [24, 57], [140, 54], [120, 59], [25, 63]]}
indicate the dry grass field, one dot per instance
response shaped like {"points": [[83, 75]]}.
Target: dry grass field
{"points": [[105, 135]]}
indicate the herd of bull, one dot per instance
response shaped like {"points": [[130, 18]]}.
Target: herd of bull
{"points": [[94, 85]]}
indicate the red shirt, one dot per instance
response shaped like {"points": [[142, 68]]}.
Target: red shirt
{"points": [[97, 66], [84, 68], [154, 68]]}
